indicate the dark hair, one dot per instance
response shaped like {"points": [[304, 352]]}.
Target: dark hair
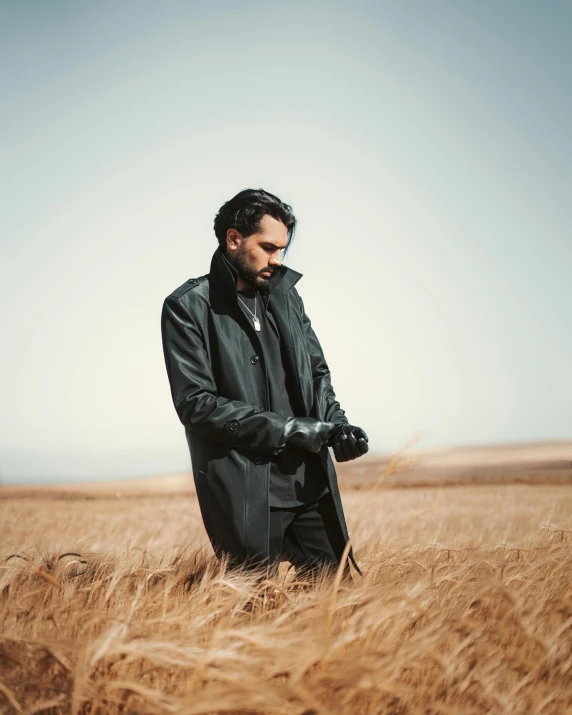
{"points": [[245, 210]]}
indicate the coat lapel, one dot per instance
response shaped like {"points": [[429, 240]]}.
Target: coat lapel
{"points": [[293, 350]]}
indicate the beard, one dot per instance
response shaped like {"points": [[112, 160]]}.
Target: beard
{"points": [[247, 272]]}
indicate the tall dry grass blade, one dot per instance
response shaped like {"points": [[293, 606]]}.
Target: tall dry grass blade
{"points": [[390, 468], [11, 698], [41, 571]]}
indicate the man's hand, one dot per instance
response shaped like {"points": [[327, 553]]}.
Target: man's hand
{"points": [[307, 433], [348, 442]]}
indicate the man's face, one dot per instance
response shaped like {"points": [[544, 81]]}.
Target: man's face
{"points": [[254, 256]]}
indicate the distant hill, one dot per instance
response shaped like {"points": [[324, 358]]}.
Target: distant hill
{"points": [[529, 463]]}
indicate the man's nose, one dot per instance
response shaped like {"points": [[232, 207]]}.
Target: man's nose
{"points": [[275, 259]]}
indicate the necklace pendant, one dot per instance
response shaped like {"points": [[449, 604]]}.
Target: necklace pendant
{"points": [[256, 323]]}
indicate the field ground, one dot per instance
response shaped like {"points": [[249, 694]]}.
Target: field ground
{"points": [[118, 606]]}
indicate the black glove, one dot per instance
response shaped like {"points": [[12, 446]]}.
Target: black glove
{"points": [[307, 433], [349, 442]]}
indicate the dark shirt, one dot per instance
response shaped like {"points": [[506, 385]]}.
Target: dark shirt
{"points": [[296, 475]]}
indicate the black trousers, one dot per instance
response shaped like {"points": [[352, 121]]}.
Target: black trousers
{"points": [[309, 537]]}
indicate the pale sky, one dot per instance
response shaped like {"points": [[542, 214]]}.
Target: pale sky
{"points": [[425, 148]]}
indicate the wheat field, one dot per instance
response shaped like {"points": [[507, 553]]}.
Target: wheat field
{"points": [[118, 605]]}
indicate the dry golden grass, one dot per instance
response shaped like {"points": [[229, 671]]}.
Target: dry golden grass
{"points": [[117, 605]]}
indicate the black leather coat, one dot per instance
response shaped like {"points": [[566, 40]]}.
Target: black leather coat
{"points": [[219, 388]]}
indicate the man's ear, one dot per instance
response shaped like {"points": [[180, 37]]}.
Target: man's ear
{"points": [[233, 240]]}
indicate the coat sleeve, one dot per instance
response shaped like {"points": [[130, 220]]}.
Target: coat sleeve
{"points": [[328, 407], [193, 389]]}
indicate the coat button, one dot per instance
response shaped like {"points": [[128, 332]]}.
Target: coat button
{"points": [[192, 280], [233, 425], [254, 359], [258, 460]]}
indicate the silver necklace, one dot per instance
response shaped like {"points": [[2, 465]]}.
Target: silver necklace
{"points": [[254, 318]]}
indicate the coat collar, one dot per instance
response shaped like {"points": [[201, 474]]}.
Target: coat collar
{"points": [[223, 275]]}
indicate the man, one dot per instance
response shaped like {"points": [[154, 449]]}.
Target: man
{"points": [[252, 388]]}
